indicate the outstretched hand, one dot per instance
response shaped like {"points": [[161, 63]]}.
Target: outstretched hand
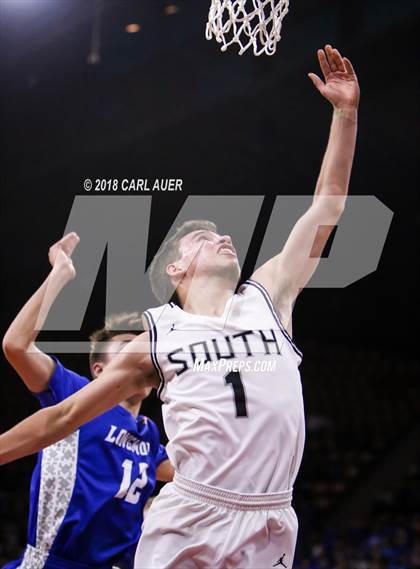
{"points": [[60, 253], [341, 87]]}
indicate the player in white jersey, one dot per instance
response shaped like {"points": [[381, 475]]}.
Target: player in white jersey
{"points": [[233, 412], [214, 372], [236, 435]]}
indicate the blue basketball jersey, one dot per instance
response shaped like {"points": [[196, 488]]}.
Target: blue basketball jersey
{"points": [[88, 491]]}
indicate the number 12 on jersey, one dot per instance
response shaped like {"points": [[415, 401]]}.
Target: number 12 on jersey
{"points": [[131, 491]]}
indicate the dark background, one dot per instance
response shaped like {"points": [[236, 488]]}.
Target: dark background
{"points": [[164, 102]]}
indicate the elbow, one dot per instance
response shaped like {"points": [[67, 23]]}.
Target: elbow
{"points": [[165, 471], [330, 208], [14, 349], [11, 348], [337, 208], [7, 345]]}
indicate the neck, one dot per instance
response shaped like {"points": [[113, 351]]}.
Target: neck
{"points": [[132, 405], [206, 296]]}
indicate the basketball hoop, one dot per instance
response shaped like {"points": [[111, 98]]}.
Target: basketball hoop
{"points": [[250, 23]]}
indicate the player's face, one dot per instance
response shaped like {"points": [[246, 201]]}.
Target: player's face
{"points": [[206, 252], [113, 348]]}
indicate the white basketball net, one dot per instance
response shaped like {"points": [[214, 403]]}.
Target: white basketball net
{"points": [[250, 23]]}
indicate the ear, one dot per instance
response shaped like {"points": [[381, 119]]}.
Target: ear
{"points": [[174, 271], [97, 368]]}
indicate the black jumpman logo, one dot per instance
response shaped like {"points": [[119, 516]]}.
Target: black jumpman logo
{"points": [[280, 561]]}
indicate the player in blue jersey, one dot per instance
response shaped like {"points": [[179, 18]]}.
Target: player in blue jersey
{"points": [[88, 491]]}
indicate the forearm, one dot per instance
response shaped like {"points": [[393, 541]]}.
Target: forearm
{"points": [[124, 377], [55, 423], [33, 434], [336, 167], [25, 327]]}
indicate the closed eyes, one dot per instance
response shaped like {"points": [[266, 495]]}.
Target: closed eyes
{"points": [[203, 237]]}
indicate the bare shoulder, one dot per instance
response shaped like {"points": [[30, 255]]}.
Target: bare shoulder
{"points": [[279, 287], [274, 278]]}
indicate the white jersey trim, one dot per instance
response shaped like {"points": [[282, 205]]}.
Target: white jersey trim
{"points": [[270, 304], [34, 558], [153, 350]]}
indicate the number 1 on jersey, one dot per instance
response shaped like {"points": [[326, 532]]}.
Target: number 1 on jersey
{"points": [[234, 379]]}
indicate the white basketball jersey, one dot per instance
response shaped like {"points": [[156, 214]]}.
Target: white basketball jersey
{"points": [[233, 407]]}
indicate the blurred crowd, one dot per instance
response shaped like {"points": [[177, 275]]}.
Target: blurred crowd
{"points": [[360, 407], [387, 538]]}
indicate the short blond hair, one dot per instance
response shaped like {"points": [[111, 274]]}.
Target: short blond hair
{"points": [[159, 279]]}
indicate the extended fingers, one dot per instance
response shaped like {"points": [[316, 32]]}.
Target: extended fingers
{"points": [[335, 61], [319, 84], [331, 58], [339, 60], [323, 63], [331, 61], [68, 242], [348, 66]]}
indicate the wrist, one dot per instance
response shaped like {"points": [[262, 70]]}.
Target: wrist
{"points": [[60, 276], [347, 113]]}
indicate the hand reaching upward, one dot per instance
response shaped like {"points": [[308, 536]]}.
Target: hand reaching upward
{"points": [[60, 253], [341, 87]]}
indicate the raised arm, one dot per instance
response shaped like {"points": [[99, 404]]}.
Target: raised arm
{"points": [[288, 272], [129, 372], [34, 367]]}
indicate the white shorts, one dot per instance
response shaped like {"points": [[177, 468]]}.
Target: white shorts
{"points": [[191, 526]]}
